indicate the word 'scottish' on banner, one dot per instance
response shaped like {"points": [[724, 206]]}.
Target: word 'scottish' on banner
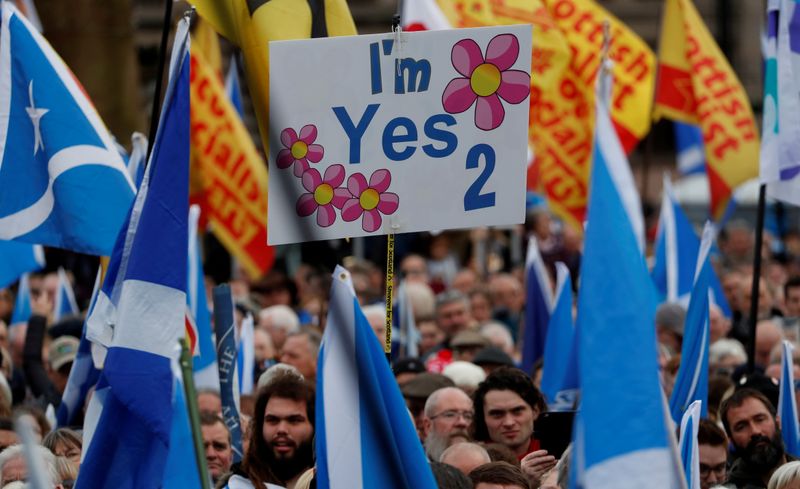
{"points": [[425, 130]]}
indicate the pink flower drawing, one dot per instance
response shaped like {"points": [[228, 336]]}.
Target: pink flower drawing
{"points": [[370, 200], [486, 80], [299, 150], [323, 194]]}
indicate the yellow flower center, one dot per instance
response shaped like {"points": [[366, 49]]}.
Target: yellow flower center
{"points": [[369, 199], [485, 80], [323, 194], [299, 150]]}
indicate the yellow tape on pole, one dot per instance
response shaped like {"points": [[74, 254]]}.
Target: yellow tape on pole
{"points": [[387, 347]]}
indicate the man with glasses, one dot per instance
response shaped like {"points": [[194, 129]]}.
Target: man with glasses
{"points": [[447, 419], [713, 451]]}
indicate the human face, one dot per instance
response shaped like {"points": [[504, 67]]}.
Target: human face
{"points": [[452, 416], [481, 308], [218, 449], [748, 420], [453, 317], [430, 336], [792, 300], [713, 465], [297, 353], [68, 451], [286, 426], [209, 402], [14, 470], [509, 419]]}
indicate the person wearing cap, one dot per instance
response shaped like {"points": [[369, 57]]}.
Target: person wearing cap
{"points": [[669, 325], [416, 392], [491, 358], [465, 344], [406, 369]]}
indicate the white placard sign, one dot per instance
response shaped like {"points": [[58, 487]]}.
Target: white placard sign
{"points": [[393, 133]]}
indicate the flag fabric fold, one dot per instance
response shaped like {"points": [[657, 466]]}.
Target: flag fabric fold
{"points": [[787, 403], [17, 258], [376, 445], [22, 302], [64, 182], [538, 307], [181, 468], [65, 304], [691, 383], [560, 372], [130, 419], [204, 363], [690, 451], [245, 360]]}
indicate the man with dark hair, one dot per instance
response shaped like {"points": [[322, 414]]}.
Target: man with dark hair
{"points": [[506, 406], [499, 474], [749, 420], [281, 433], [217, 444], [791, 297], [713, 450]]}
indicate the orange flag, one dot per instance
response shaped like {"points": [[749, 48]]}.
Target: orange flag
{"points": [[228, 177], [696, 85]]}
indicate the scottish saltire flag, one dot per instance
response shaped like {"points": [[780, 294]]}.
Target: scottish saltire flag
{"points": [[780, 142], [181, 468], [232, 86], [690, 147], [65, 304], [129, 420], [538, 306], [246, 357], [787, 404], [376, 444], [226, 361], [136, 160], [560, 373], [17, 258], [627, 446], [691, 383], [204, 362], [83, 375], [690, 452], [676, 250], [64, 183], [28, 9], [22, 303]]}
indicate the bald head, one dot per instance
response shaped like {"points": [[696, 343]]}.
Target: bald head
{"points": [[768, 335], [465, 456]]}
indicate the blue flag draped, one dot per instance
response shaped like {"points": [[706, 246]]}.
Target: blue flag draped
{"points": [[64, 183], [65, 298], [17, 258], [787, 403], [560, 373], [204, 363], [376, 444], [690, 451], [132, 409], [538, 307], [22, 302]]}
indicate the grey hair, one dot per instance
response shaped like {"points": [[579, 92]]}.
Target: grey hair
{"points": [[433, 399], [724, 348], [18, 451], [785, 474]]}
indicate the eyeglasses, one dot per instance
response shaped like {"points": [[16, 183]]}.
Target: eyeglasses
{"points": [[452, 415], [719, 470]]}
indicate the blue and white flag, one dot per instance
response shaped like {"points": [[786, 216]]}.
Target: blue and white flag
{"points": [[136, 160], [560, 372], [129, 420], [691, 149], [375, 444], [232, 86], [627, 445], [538, 307], [780, 141], [64, 183], [405, 323], [691, 383], [17, 258], [225, 327], [690, 452], [181, 470], [65, 298], [676, 250], [204, 362], [83, 375], [22, 303], [246, 357], [787, 403]]}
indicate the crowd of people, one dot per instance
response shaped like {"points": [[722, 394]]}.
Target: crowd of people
{"points": [[479, 417]]}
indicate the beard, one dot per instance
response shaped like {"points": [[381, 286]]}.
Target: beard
{"points": [[764, 453], [436, 444], [287, 468]]}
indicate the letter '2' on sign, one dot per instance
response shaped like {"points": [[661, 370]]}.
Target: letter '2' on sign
{"points": [[394, 133]]}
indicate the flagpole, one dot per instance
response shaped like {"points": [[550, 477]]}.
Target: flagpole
{"points": [[387, 347], [751, 343], [162, 61], [194, 413]]}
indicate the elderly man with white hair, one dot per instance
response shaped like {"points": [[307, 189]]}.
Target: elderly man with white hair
{"points": [[465, 456], [447, 419], [279, 321], [14, 467]]}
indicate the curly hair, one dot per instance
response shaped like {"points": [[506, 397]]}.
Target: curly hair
{"points": [[285, 386], [504, 379]]}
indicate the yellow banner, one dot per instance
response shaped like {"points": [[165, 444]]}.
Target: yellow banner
{"points": [[251, 24], [228, 177], [697, 85]]}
